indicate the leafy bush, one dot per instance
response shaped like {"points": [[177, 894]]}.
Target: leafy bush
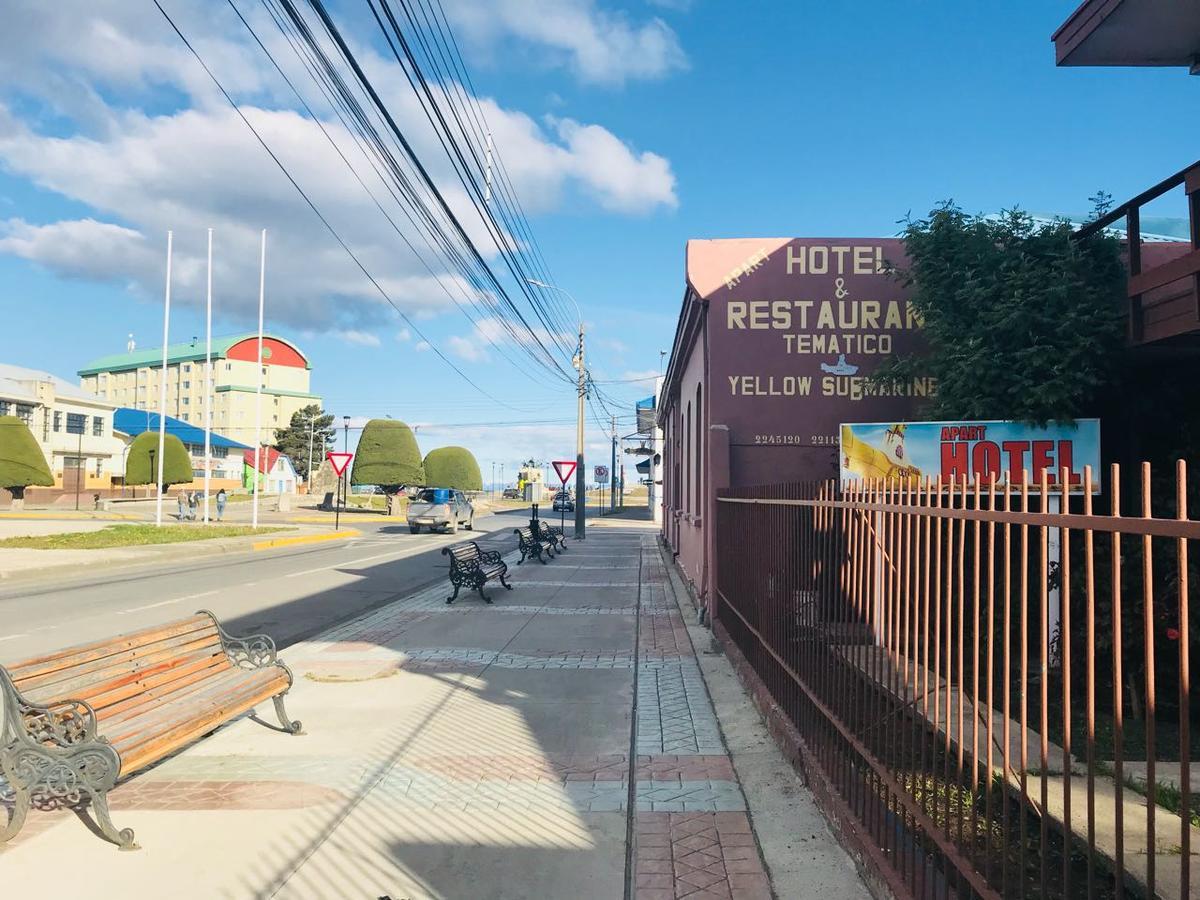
{"points": [[388, 456], [177, 465], [453, 467], [1021, 321], [22, 462]]}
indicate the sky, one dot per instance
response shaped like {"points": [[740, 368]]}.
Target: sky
{"points": [[626, 128]]}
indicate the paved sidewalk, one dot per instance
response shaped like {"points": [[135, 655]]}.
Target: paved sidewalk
{"points": [[463, 751]]}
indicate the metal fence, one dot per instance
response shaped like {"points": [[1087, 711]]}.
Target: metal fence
{"points": [[992, 680]]}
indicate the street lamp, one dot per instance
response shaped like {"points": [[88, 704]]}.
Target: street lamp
{"points": [[578, 362], [346, 448]]}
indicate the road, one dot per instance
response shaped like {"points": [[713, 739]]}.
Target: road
{"points": [[289, 595]]}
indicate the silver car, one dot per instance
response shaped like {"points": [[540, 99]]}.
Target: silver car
{"points": [[442, 508]]}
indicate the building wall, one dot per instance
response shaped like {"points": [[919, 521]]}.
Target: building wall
{"points": [[49, 414], [285, 378], [774, 349]]}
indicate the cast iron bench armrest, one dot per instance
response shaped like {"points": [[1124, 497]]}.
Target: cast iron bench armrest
{"points": [[256, 651], [59, 724]]}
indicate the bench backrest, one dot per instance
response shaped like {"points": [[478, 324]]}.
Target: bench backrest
{"points": [[526, 534], [463, 554], [117, 674]]}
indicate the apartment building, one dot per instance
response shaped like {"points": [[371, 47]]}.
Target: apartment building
{"points": [[133, 379]]}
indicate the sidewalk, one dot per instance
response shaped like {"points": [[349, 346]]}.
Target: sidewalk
{"points": [[463, 751]]}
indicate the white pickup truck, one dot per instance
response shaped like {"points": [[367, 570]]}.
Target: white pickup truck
{"points": [[440, 508]]}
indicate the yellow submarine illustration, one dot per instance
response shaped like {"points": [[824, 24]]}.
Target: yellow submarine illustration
{"points": [[865, 461]]}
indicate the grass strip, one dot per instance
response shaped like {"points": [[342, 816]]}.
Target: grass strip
{"points": [[132, 536]]}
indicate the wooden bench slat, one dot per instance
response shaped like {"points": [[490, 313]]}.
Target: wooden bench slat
{"points": [[160, 737], [87, 653], [167, 686], [90, 680], [134, 728]]}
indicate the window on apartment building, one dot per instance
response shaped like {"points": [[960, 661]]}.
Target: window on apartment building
{"points": [[76, 423], [185, 417], [4, 405], [25, 413], [187, 367], [187, 385], [99, 467], [197, 474], [220, 452], [228, 367], [97, 426], [57, 420], [187, 401]]}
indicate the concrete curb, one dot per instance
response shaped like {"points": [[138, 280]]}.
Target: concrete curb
{"points": [[305, 539], [71, 516]]}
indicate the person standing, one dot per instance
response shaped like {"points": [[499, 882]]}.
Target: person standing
{"points": [[221, 504], [183, 505]]}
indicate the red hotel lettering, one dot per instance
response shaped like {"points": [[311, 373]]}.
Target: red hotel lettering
{"points": [[954, 460], [981, 460], [985, 461]]}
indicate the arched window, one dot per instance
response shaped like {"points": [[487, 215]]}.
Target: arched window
{"points": [[699, 439], [687, 460]]}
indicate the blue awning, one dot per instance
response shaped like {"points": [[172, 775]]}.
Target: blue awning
{"points": [[136, 421]]}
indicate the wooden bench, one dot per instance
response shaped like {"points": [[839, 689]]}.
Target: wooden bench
{"points": [[77, 721], [474, 567], [531, 546], [553, 536]]}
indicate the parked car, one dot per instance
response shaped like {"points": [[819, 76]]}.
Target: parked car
{"points": [[512, 494], [564, 502], [440, 508]]}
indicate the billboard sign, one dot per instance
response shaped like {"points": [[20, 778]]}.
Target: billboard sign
{"points": [[971, 449]]}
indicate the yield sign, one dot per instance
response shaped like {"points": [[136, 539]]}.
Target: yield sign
{"points": [[339, 461], [565, 469]]}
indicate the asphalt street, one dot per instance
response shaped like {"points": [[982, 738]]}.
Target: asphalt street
{"points": [[289, 595]]}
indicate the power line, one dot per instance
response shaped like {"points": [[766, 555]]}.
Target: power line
{"points": [[315, 209]]}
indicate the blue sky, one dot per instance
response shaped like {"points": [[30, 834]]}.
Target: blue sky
{"points": [[633, 126]]}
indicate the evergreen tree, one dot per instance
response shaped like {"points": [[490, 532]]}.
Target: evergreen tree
{"points": [[387, 456], [453, 467], [293, 441], [141, 463], [22, 462]]}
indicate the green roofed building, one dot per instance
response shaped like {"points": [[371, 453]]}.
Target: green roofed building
{"points": [[133, 379]]}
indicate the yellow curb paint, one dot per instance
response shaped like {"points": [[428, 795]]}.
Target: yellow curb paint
{"points": [[322, 519], [305, 539]]}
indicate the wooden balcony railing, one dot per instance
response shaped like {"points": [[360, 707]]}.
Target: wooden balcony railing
{"points": [[1164, 282]]}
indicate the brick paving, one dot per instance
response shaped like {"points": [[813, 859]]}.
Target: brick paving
{"points": [[490, 766], [700, 855]]}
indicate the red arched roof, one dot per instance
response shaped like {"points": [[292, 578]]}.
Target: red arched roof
{"points": [[276, 352]]}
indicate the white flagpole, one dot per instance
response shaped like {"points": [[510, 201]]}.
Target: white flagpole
{"points": [[262, 285], [162, 390], [208, 384]]}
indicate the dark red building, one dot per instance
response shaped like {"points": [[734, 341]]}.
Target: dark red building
{"points": [[774, 348]]}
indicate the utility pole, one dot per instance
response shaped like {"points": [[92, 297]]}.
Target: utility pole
{"points": [[580, 364], [612, 472], [345, 449], [580, 480], [162, 392]]}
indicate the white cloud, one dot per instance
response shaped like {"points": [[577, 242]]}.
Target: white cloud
{"points": [[361, 338], [467, 349], [403, 335], [598, 45], [91, 68], [422, 347]]}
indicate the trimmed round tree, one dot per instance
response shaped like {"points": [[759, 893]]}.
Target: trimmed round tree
{"points": [[22, 463], [453, 467], [387, 455], [177, 465]]}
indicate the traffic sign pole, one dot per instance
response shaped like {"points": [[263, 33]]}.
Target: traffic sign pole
{"points": [[340, 463], [564, 469]]}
